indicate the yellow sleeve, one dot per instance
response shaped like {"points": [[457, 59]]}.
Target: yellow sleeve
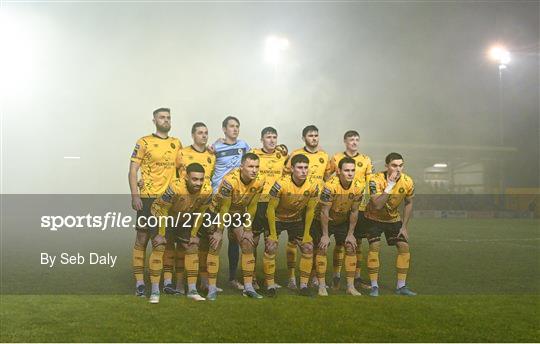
{"points": [[138, 151], [310, 214], [252, 209], [287, 166], [199, 222], [224, 209], [271, 215], [180, 162]]}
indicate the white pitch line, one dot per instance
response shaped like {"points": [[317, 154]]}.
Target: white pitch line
{"points": [[72, 157]]}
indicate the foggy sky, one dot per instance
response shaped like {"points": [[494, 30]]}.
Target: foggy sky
{"points": [[83, 79]]}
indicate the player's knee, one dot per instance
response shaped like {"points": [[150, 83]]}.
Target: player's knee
{"points": [[246, 247], [307, 248], [192, 249], [402, 247], [375, 246], [141, 239]]}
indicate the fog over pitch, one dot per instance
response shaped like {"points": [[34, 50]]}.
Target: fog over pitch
{"points": [[82, 79]]}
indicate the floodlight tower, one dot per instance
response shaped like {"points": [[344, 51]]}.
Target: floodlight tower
{"points": [[501, 56]]}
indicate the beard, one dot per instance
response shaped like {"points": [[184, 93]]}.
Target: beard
{"points": [[163, 128]]}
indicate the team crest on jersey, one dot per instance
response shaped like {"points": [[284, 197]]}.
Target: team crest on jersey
{"points": [[351, 196], [321, 160], [306, 193], [278, 155], [240, 151], [401, 190], [173, 146], [359, 164], [209, 160], [252, 189]]}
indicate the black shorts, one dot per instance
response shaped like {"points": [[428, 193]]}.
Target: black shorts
{"points": [[362, 225], [338, 231], [390, 230], [144, 212], [260, 222], [182, 232], [295, 230]]}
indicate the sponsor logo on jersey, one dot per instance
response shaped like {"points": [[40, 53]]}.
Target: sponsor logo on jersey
{"points": [[173, 146], [401, 190], [359, 164], [321, 160]]}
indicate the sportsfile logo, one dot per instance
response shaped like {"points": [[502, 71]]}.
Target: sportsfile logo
{"points": [[113, 220]]}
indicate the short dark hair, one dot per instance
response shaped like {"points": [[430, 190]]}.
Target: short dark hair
{"points": [[268, 130], [393, 156], [250, 156], [308, 129], [350, 133], [197, 125], [299, 158], [194, 167], [227, 119], [346, 160], [161, 110]]}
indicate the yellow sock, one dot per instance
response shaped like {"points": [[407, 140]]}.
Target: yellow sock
{"points": [[168, 262], [306, 263], [138, 262], [248, 266], [269, 267], [359, 258], [179, 265], [322, 262], [212, 263], [402, 263], [156, 263], [339, 254], [203, 273], [373, 263], [291, 259], [192, 267], [350, 267]]}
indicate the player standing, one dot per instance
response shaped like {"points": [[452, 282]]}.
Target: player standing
{"points": [[291, 208], [364, 169], [339, 200], [319, 170], [272, 159], [228, 153], [155, 156], [388, 190], [196, 153]]}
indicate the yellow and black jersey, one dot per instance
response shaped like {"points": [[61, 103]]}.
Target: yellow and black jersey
{"points": [[178, 199], [293, 198], [363, 164], [364, 168], [240, 194], [271, 168], [319, 164], [404, 188], [340, 199], [190, 155], [157, 158]]}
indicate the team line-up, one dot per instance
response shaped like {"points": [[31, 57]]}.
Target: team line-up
{"points": [[306, 194]]}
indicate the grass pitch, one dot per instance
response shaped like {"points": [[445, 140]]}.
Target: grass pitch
{"points": [[478, 280]]}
